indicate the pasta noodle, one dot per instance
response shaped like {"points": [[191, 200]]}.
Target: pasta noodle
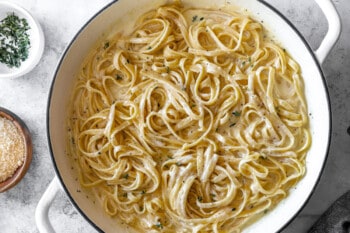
{"points": [[194, 122]]}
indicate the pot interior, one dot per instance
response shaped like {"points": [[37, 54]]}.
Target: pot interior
{"points": [[122, 14]]}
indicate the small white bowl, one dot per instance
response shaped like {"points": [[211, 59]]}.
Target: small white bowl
{"points": [[36, 37]]}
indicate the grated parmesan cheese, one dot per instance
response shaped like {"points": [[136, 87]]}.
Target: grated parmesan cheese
{"points": [[12, 149]]}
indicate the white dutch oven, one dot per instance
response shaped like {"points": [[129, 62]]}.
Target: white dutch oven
{"points": [[124, 12]]}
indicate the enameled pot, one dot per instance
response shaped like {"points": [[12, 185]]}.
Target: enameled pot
{"points": [[124, 12]]}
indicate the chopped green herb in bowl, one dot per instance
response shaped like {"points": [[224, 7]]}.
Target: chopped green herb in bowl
{"points": [[14, 40], [22, 41]]}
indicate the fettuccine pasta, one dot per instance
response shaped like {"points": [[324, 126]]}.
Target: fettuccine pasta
{"points": [[193, 122]]}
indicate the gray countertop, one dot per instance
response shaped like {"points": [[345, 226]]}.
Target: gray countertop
{"points": [[27, 97]]}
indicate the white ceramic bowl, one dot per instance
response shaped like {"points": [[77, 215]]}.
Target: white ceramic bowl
{"points": [[36, 37]]}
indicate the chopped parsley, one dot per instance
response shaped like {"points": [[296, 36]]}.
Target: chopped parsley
{"points": [[236, 113], [200, 198], [126, 176], [194, 18], [233, 124], [159, 225], [14, 40], [106, 45], [118, 77], [212, 195]]}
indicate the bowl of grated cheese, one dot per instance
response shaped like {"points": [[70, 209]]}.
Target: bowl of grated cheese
{"points": [[15, 149]]}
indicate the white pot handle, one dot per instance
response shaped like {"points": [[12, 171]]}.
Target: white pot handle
{"points": [[334, 28], [42, 210]]}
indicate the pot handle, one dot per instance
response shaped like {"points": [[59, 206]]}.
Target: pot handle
{"points": [[334, 28], [42, 210]]}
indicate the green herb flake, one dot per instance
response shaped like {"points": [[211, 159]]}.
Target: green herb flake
{"points": [[106, 45], [233, 209], [194, 18], [159, 225], [118, 77], [212, 195], [233, 124], [200, 198], [167, 69], [126, 176], [14, 40], [143, 192], [201, 18], [149, 48], [236, 113]]}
